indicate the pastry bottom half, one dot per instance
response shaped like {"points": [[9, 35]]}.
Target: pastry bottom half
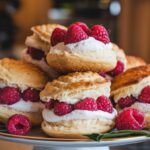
{"points": [[77, 128]]}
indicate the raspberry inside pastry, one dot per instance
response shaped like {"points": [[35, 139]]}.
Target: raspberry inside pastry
{"points": [[77, 104], [35, 53], [132, 89], [20, 86]]}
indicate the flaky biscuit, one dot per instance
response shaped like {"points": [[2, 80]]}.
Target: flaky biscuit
{"points": [[41, 64], [133, 61], [65, 62], [22, 74], [131, 76], [36, 42], [77, 128], [7, 112], [44, 31], [74, 86], [133, 89]]}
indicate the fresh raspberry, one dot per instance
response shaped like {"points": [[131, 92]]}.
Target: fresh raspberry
{"points": [[18, 125], [104, 104], [58, 35], [9, 95], [100, 33], [130, 119], [75, 34], [118, 69], [50, 104], [31, 95], [35, 53], [83, 26], [126, 102], [1, 102], [62, 108], [144, 97], [86, 104]]}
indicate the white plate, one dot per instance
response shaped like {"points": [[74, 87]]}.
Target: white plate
{"points": [[39, 139]]}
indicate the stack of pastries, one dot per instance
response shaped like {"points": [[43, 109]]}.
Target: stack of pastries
{"points": [[65, 78], [77, 104]]}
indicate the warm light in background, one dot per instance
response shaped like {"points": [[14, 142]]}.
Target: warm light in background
{"points": [[127, 21]]}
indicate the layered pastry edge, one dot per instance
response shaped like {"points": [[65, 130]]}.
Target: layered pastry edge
{"points": [[16, 83], [133, 93], [77, 122]]}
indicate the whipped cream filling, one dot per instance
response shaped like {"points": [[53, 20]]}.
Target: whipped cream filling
{"points": [[49, 115], [144, 107], [88, 48], [133, 90], [26, 106]]}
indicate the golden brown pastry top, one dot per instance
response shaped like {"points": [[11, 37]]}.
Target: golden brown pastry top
{"points": [[21, 73], [44, 31], [75, 86], [131, 76], [133, 61]]}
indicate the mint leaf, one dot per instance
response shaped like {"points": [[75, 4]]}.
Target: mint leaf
{"points": [[3, 128], [117, 134]]}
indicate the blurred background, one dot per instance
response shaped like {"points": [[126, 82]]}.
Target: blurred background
{"points": [[128, 23]]}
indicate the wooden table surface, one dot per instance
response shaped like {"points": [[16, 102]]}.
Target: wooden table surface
{"points": [[13, 146]]}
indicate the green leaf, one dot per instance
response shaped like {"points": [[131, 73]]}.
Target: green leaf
{"points": [[4, 131], [3, 128], [117, 134], [94, 136]]}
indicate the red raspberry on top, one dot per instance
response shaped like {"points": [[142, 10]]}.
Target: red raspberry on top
{"points": [[130, 119], [31, 95], [144, 97], [100, 33], [118, 69], [9, 95], [18, 125], [83, 26], [86, 104], [62, 108], [75, 34], [104, 104], [58, 35], [126, 102]]}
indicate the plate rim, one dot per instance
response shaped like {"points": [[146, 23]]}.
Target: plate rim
{"points": [[89, 143]]}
